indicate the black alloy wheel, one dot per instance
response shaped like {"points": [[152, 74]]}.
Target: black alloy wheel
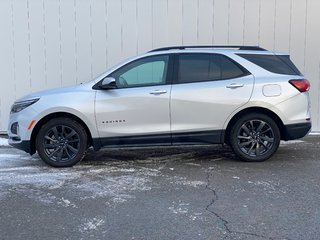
{"points": [[255, 137], [61, 142]]}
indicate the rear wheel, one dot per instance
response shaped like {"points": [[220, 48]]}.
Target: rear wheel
{"points": [[62, 142], [255, 137]]}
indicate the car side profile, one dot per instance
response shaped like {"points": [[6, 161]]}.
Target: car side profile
{"points": [[244, 96]]}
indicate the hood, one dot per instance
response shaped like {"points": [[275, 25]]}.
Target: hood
{"points": [[56, 91]]}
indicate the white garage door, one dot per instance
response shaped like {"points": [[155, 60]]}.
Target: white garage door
{"points": [[52, 43]]}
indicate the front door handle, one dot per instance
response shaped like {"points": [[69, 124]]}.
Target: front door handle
{"points": [[235, 85], [158, 92]]}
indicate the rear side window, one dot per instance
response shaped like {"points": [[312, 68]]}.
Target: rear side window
{"points": [[273, 63], [207, 67]]}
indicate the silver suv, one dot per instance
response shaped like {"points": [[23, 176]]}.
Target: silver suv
{"points": [[244, 96]]}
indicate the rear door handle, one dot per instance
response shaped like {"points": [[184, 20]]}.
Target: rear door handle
{"points": [[235, 85], [158, 92]]}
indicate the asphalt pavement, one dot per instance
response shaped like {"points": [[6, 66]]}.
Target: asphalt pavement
{"points": [[163, 193]]}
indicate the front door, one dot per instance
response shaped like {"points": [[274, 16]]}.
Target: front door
{"points": [[137, 111]]}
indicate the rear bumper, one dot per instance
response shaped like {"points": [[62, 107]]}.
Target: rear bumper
{"points": [[295, 131]]}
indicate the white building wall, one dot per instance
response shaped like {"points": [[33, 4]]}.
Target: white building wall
{"points": [[53, 43]]}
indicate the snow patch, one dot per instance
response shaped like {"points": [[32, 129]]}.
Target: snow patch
{"points": [[66, 203], [185, 182], [4, 156], [179, 208], [91, 224], [117, 188], [291, 142], [10, 160], [18, 169], [58, 185], [116, 184], [4, 142], [28, 176], [35, 177], [193, 164], [216, 159], [314, 133], [182, 208], [269, 186], [113, 170], [119, 199]]}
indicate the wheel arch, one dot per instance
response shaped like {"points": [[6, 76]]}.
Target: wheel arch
{"points": [[51, 116], [261, 110]]}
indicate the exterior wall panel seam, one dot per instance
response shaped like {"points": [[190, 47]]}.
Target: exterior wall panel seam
{"points": [[29, 45], [75, 39], [13, 49]]}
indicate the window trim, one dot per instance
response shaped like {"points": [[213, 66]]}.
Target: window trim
{"points": [[168, 78], [177, 67]]}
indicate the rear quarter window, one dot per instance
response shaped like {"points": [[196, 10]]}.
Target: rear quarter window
{"points": [[280, 64]]}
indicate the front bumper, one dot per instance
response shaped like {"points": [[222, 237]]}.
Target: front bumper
{"points": [[23, 145], [18, 129], [295, 131]]}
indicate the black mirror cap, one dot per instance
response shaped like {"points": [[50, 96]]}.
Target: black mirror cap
{"points": [[101, 86], [112, 85]]}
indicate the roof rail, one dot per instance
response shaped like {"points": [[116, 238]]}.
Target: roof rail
{"points": [[250, 48]]}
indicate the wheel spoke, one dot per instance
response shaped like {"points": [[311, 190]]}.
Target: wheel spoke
{"points": [[54, 152], [243, 144], [71, 134], [251, 124], [62, 131], [257, 149], [261, 126], [262, 143], [50, 145], [67, 151], [246, 129], [74, 150], [55, 132], [244, 137], [268, 139], [267, 130], [59, 156], [251, 148], [49, 138]]}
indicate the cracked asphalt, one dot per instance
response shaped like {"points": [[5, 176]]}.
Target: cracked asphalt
{"points": [[163, 193]]}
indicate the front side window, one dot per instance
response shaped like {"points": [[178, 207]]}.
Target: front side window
{"points": [[144, 72], [207, 67]]}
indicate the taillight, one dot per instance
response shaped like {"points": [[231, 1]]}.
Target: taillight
{"points": [[302, 85]]}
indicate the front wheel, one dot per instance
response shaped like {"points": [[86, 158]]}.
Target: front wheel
{"points": [[61, 142], [255, 137]]}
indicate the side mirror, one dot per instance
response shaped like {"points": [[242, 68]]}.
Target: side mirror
{"points": [[108, 83]]}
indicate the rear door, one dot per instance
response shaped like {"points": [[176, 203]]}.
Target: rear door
{"points": [[206, 89]]}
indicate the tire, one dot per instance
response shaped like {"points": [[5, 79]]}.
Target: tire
{"points": [[62, 142], [255, 137]]}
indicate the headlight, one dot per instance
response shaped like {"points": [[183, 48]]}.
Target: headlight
{"points": [[19, 106]]}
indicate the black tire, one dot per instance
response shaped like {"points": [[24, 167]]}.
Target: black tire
{"points": [[255, 137], [62, 142]]}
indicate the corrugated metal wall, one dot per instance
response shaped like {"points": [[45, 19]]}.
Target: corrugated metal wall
{"points": [[52, 43]]}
